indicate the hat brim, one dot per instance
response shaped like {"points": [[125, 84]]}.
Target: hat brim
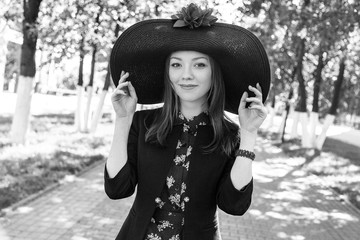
{"points": [[143, 48]]}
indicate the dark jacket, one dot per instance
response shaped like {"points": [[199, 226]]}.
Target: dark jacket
{"points": [[208, 183]]}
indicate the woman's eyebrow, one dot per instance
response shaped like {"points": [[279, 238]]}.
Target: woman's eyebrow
{"points": [[192, 59], [197, 58]]}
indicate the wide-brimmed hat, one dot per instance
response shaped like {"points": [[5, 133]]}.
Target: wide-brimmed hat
{"points": [[143, 48]]}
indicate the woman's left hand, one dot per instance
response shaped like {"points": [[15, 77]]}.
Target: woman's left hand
{"points": [[252, 117]]}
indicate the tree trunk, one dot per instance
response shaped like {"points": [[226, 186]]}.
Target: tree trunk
{"points": [[334, 105], [271, 108], [318, 80], [314, 122], [294, 128], [329, 119], [98, 113], [305, 136], [89, 90], [314, 115], [92, 73], [27, 72], [337, 88], [301, 106], [287, 110], [3, 52], [79, 123]]}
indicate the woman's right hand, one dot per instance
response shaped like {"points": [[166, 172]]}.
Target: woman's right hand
{"points": [[124, 98]]}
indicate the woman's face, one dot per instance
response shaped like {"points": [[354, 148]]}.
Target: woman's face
{"points": [[190, 76]]}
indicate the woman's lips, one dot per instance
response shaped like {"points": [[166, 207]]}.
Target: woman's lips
{"points": [[187, 86]]}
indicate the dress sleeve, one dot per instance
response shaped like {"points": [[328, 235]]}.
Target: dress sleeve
{"points": [[230, 199], [124, 183]]}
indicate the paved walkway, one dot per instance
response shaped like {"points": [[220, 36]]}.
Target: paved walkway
{"points": [[287, 204]]}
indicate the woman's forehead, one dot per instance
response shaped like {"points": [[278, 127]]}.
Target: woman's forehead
{"points": [[188, 55]]}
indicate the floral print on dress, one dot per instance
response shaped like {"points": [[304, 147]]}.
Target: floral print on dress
{"points": [[168, 219]]}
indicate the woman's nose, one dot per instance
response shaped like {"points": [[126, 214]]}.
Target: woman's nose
{"points": [[187, 73]]}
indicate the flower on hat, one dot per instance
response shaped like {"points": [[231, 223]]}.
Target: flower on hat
{"points": [[193, 16]]}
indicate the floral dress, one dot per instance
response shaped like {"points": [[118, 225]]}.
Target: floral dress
{"points": [[168, 219]]}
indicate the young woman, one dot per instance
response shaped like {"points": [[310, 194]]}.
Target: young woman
{"points": [[185, 158]]}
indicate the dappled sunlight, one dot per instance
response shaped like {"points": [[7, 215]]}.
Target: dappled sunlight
{"points": [[56, 200], [342, 218], [79, 238], [70, 179], [98, 187], [264, 172], [283, 235], [288, 214], [106, 221], [65, 221], [330, 164], [24, 210], [310, 215], [266, 148], [255, 212], [297, 184], [285, 160], [276, 215], [3, 234], [338, 173], [290, 195]]}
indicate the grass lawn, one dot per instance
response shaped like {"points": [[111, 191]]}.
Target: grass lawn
{"points": [[53, 152]]}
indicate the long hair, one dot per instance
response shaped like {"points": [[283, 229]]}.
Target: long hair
{"points": [[223, 127]]}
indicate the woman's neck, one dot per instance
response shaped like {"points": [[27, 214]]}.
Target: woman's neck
{"points": [[190, 110]]}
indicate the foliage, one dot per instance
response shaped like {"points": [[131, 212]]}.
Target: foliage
{"points": [[329, 29]]}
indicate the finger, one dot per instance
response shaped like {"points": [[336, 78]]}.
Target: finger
{"points": [[132, 91], [259, 87], [256, 91], [122, 85], [242, 100], [123, 76], [253, 106], [121, 92], [253, 100]]}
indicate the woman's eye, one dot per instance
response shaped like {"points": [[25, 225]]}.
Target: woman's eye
{"points": [[200, 65], [175, 65]]}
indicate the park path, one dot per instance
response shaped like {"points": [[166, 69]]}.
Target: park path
{"points": [[287, 204]]}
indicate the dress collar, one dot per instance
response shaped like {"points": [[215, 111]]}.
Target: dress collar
{"points": [[201, 119]]}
